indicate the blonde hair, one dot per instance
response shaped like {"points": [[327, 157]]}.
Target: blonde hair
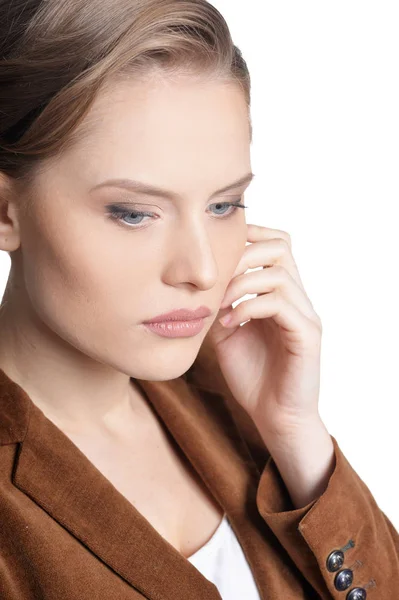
{"points": [[56, 56]]}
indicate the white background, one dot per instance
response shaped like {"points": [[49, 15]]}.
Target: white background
{"points": [[325, 99]]}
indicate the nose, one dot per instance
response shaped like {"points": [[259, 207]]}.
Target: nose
{"points": [[193, 257]]}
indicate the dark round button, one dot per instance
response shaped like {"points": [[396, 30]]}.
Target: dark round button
{"points": [[357, 594], [335, 560], [343, 579]]}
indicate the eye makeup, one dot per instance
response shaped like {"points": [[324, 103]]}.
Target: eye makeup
{"points": [[119, 212]]}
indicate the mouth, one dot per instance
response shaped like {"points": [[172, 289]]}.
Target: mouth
{"points": [[181, 315], [174, 329]]}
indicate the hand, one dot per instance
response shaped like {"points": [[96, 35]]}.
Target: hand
{"points": [[271, 364]]}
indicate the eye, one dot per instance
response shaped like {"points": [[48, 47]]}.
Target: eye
{"points": [[233, 205], [119, 213]]}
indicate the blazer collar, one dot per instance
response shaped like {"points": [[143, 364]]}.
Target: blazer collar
{"points": [[56, 475]]}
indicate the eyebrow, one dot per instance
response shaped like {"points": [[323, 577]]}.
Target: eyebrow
{"points": [[144, 188]]}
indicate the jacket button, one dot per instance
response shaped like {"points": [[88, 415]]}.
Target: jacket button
{"points": [[357, 594], [335, 560], [343, 579]]}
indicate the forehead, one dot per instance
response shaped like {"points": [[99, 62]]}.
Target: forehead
{"points": [[189, 110], [164, 131]]}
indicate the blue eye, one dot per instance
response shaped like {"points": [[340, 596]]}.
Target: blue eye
{"points": [[119, 213]]}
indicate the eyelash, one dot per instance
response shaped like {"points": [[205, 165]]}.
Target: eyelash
{"points": [[118, 213]]}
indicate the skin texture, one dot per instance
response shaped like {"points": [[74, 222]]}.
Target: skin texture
{"points": [[81, 283]]}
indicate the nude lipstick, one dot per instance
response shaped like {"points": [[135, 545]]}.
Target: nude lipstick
{"points": [[179, 323]]}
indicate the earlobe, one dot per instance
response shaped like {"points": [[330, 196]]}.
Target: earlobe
{"points": [[9, 234], [9, 221]]}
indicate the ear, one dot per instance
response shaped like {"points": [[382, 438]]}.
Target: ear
{"points": [[9, 219]]}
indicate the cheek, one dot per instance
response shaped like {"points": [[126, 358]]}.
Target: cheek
{"points": [[72, 276], [86, 283], [231, 248]]}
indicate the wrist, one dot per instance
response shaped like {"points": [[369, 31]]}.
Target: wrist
{"points": [[287, 428], [304, 456]]}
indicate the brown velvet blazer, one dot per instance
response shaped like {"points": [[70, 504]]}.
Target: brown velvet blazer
{"points": [[66, 533]]}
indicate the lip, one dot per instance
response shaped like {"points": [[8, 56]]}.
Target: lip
{"points": [[181, 314]]}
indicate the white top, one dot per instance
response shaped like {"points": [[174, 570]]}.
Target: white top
{"points": [[222, 561]]}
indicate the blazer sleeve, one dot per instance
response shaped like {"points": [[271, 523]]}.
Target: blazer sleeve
{"points": [[342, 542]]}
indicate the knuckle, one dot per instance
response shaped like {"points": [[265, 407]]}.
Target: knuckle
{"points": [[285, 242], [286, 237], [281, 271], [318, 323]]}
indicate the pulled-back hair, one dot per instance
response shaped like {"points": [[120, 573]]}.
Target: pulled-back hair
{"points": [[57, 55]]}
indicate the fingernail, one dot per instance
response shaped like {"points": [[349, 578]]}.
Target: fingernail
{"points": [[226, 319]]}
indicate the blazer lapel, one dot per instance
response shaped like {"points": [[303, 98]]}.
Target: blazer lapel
{"points": [[205, 427], [53, 471]]}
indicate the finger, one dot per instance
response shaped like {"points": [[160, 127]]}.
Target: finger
{"points": [[257, 233], [266, 253], [266, 281], [285, 314]]}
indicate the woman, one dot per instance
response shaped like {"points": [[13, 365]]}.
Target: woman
{"points": [[142, 459]]}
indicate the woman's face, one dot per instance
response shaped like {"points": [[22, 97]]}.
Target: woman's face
{"points": [[91, 279]]}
